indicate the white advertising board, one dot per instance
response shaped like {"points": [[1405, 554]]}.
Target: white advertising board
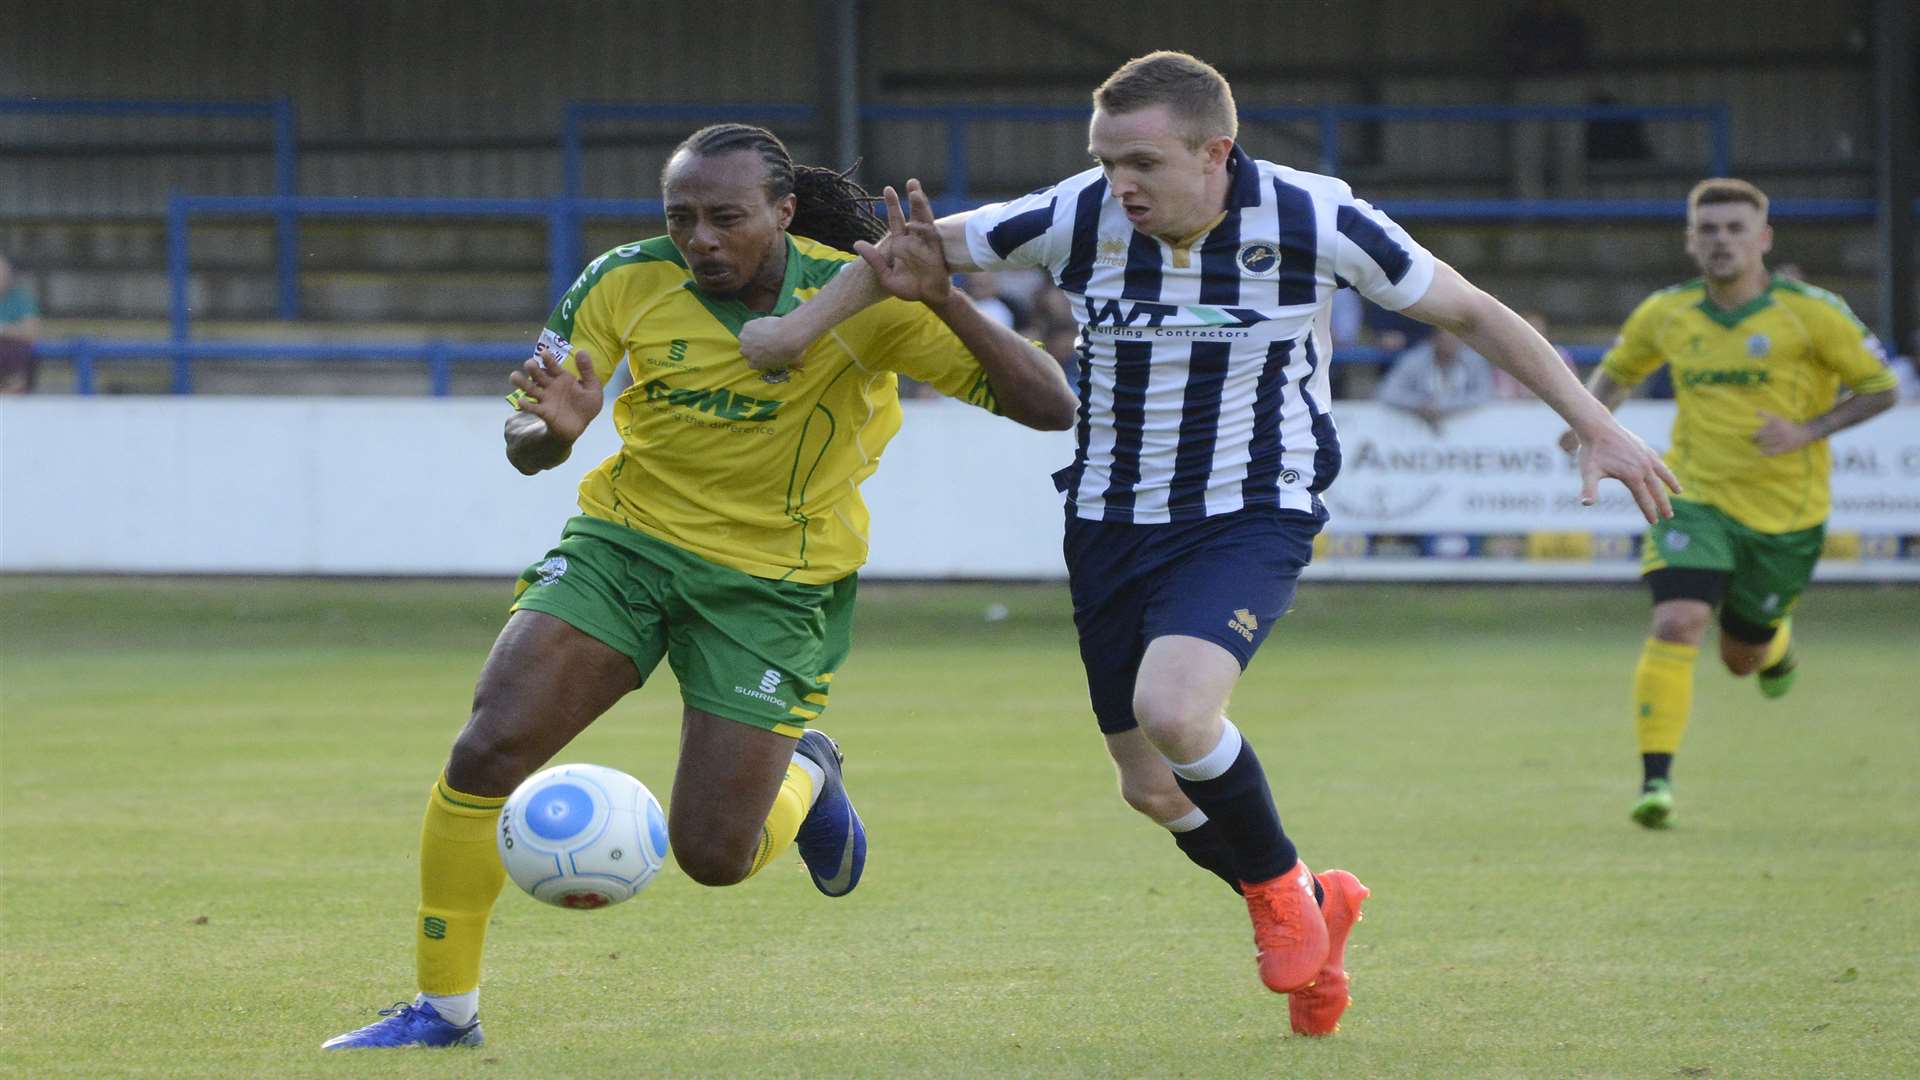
{"points": [[419, 486]]}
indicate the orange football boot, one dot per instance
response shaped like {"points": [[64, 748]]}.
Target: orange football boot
{"points": [[1315, 1009], [1288, 928]]}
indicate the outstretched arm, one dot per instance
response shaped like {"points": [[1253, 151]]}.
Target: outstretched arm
{"points": [[1494, 331], [1778, 435], [1028, 384]]}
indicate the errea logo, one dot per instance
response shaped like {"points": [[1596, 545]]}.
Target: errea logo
{"points": [[1244, 623]]}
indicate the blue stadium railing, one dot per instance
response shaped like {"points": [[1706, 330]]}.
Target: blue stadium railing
{"points": [[566, 213], [286, 160]]}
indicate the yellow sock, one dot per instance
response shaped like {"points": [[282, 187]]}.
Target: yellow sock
{"points": [[460, 878], [1663, 694], [790, 808], [1777, 648]]}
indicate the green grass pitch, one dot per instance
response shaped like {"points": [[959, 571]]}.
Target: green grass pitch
{"points": [[210, 794]]}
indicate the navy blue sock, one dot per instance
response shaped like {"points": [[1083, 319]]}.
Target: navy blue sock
{"points": [[1208, 848], [1239, 802], [1654, 767]]}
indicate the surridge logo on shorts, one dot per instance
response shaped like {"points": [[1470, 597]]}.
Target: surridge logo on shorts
{"points": [[1243, 623], [551, 570], [769, 686]]}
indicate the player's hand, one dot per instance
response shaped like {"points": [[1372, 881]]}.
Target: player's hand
{"points": [[911, 263], [1569, 441], [764, 342], [1778, 435], [1614, 451], [566, 402]]}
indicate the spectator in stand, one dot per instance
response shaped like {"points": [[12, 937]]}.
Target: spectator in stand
{"points": [[19, 325], [1437, 379], [1508, 388]]}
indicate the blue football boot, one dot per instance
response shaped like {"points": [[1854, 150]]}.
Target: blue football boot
{"points": [[405, 1024], [831, 840]]}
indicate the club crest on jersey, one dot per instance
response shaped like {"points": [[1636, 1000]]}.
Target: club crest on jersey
{"points": [[552, 570], [1758, 346], [1259, 257], [1111, 251]]}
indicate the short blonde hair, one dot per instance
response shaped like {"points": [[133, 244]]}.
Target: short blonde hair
{"points": [[1723, 189], [1192, 90]]}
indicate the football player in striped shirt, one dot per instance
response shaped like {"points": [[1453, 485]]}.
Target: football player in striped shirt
{"points": [[723, 536], [1758, 360], [1200, 277]]}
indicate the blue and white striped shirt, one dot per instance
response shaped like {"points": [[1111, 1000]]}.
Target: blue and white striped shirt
{"points": [[1203, 369]]}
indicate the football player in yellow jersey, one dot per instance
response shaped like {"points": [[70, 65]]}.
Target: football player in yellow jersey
{"points": [[724, 535], [1757, 364]]}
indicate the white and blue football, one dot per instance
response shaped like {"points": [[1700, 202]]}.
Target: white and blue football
{"points": [[582, 836]]}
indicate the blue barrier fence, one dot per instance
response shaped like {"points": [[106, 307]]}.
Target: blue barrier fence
{"points": [[438, 356], [286, 160], [565, 213]]}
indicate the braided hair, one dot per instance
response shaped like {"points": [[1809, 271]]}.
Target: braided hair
{"points": [[829, 206]]}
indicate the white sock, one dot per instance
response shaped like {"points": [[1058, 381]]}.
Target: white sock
{"points": [[1186, 822], [456, 1009], [813, 769], [1215, 761]]}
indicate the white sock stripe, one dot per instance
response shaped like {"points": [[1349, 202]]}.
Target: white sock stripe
{"points": [[1217, 760], [813, 770], [456, 1009], [1186, 822]]}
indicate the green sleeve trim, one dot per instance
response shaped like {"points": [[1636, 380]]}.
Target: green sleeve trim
{"points": [[1814, 292]]}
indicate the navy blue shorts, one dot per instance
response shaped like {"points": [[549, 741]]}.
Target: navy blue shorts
{"points": [[1225, 579]]}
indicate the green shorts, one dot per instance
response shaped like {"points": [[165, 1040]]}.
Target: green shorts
{"points": [[750, 649], [1766, 572]]}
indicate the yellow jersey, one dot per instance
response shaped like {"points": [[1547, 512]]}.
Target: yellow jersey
{"points": [[1787, 352], [755, 470]]}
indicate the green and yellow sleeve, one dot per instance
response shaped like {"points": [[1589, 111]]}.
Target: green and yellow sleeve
{"points": [[910, 339], [1844, 345], [1636, 352]]}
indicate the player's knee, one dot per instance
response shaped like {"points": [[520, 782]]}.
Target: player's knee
{"points": [[1166, 718], [1681, 626], [710, 863], [1160, 802], [480, 765], [1740, 657]]}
